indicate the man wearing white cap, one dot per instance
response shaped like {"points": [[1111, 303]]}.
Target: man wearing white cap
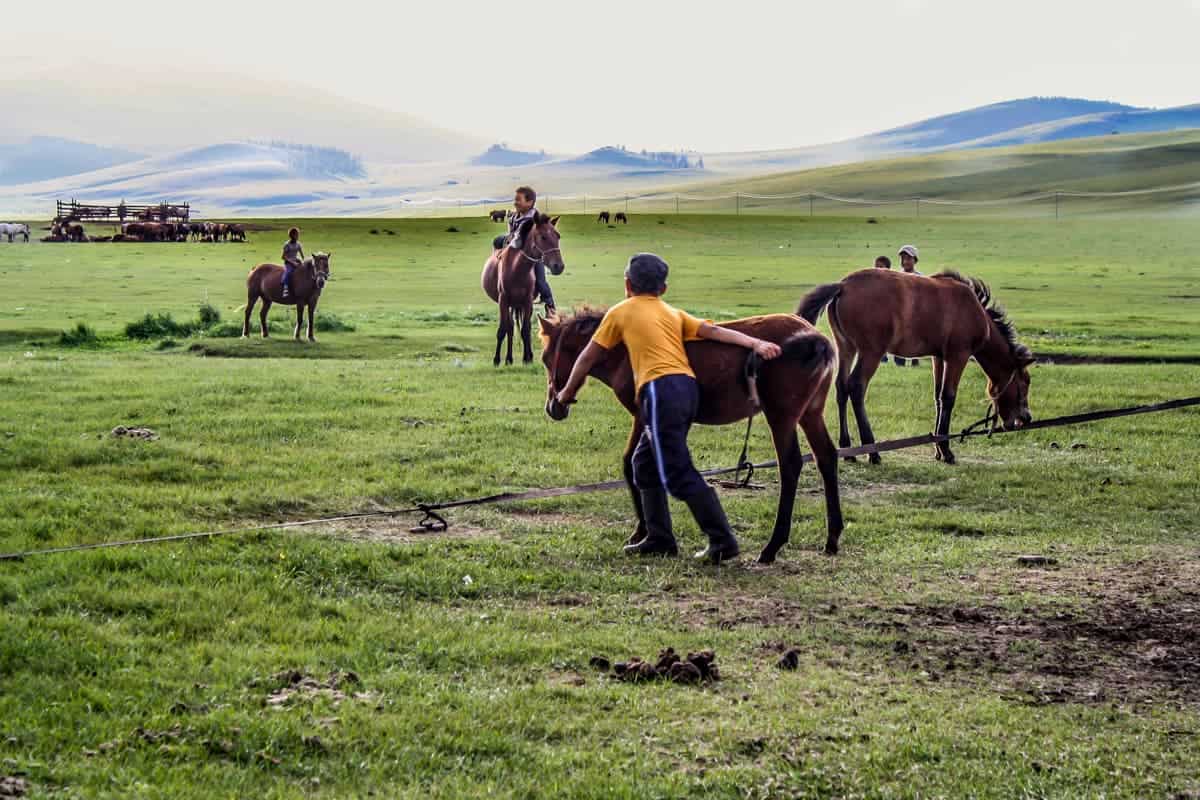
{"points": [[909, 259], [908, 263]]}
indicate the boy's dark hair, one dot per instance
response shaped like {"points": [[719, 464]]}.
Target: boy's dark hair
{"points": [[528, 193], [647, 274], [293, 232], [884, 261]]}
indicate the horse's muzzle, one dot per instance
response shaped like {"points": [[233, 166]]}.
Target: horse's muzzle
{"points": [[556, 410], [320, 283], [556, 269]]}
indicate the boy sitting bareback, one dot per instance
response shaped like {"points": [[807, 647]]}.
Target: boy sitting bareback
{"points": [[668, 399], [524, 209]]}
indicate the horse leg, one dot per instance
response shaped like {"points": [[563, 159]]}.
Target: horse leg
{"points": [[948, 391], [939, 370], [312, 319], [787, 450], [251, 299], [635, 436], [527, 333], [512, 330], [299, 321], [825, 454], [262, 315], [846, 353], [501, 328], [860, 378]]}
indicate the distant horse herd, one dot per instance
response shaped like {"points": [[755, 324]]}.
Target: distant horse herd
{"points": [[71, 230]]}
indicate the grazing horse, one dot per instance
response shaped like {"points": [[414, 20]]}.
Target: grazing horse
{"points": [[498, 215], [947, 316], [508, 279], [237, 232], [73, 230], [620, 217], [266, 281], [11, 229], [789, 390], [604, 217]]}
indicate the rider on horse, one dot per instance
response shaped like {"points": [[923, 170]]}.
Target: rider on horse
{"points": [[293, 257], [524, 210]]}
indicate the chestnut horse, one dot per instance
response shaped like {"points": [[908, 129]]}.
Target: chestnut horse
{"points": [[791, 390], [266, 281], [947, 316], [508, 279]]}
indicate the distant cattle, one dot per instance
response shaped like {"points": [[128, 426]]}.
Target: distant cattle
{"points": [[237, 233]]}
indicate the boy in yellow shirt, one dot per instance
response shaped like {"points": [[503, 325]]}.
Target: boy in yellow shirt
{"points": [[668, 400]]}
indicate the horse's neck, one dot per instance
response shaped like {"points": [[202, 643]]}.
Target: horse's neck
{"points": [[995, 357], [616, 373]]}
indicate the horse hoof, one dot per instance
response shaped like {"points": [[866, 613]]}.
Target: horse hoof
{"points": [[875, 459], [830, 549], [949, 459], [851, 459], [766, 557]]}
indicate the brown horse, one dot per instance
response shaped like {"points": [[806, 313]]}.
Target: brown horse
{"points": [[621, 218], [791, 390], [947, 316], [498, 215], [604, 217], [508, 279], [266, 281]]}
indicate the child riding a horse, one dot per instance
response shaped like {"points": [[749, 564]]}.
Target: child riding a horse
{"points": [[668, 398], [525, 210], [293, 257]]}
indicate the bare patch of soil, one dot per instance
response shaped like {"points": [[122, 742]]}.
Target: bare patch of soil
{"points": [[398, 530], [1097, 634], [298, 687]]}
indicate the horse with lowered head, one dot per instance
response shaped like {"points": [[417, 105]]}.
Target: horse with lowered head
{"points": [[789, 390], [947, 316], [508, 279], [265, 282]]}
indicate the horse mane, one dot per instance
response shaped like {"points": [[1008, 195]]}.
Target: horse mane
{"points": [[995, 311], [582, 322]]}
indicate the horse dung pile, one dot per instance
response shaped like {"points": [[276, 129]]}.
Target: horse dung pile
{"points": [[693, 668]]}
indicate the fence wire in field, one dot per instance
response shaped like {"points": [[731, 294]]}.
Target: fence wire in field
{"points": [[1052, 203]]}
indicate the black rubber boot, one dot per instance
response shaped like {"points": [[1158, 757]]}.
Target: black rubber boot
{"points": [[722, 544], [660, 540]]}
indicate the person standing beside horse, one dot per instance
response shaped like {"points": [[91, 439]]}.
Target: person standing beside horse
{"points": [[668, 398], [293, 257], [524, 210]]}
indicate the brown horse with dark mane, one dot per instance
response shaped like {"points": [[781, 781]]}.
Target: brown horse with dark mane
{"points": [[789, 390], [603, 217], [947, 316], [266, 282], [508, 279]]}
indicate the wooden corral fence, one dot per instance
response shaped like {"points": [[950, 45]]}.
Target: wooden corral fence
{"points": [[121, 212]]}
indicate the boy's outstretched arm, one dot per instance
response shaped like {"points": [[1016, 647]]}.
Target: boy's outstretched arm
{"points": [[590, 356], [716, 333]]}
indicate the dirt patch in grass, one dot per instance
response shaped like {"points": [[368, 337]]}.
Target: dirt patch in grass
{"points": [[398, 530], [1127, 634]]}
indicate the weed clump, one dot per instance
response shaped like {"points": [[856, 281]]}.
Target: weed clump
{"points": [[82, 335]]}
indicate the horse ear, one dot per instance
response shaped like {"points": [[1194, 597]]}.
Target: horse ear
{"points": [[548, 325], [554, 221]]}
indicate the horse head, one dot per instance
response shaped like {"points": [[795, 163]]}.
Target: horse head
{"points": [[563, 339], [318, 267], [541, 238], [1010, 399]]}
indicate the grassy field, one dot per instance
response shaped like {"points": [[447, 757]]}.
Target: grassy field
{"points": [[361, 658]]}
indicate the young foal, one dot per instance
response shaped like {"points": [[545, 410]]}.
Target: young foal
{"points": [[792, 389], [266, 282], [946, 316], [508, 279]]}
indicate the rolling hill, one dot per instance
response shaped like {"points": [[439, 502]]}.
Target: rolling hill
{"points": [[43, 157]]}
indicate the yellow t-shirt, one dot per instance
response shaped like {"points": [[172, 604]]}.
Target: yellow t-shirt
{"points": [[654, 333]]}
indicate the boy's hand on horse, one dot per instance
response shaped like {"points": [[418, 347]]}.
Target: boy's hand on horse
{"points": [[766, 350], [590, 356]]}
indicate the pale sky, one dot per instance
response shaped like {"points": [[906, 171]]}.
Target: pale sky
{"points": [[570, 75]]}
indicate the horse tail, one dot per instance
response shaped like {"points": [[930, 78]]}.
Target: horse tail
{"points": [[809, 349], [813, 303]]}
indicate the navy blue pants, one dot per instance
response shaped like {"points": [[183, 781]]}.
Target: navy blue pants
{"points": [[539, 274], [668, 407]]}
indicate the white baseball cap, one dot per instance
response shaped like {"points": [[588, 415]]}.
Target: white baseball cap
{"points": [[910, 249]]}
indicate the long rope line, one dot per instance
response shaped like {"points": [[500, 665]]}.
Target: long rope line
{"points": [[430, 509]]}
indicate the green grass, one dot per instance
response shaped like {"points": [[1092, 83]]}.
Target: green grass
{"points": [[146, 671]]}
